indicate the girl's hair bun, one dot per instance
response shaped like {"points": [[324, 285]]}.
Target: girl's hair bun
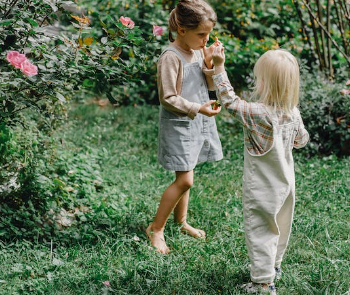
{"points": [[188, 14]]}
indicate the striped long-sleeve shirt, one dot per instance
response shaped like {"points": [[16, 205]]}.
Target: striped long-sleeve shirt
{"points": [[256, 119]]}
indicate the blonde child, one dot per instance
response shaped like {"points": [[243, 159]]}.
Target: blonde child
{"points": [[272, 128], [187, 128]]}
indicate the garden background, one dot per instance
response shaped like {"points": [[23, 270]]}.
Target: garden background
{"points": [[79, 179]]}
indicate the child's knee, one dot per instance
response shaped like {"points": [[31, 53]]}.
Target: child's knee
{"points": [[188, 184], [185, 184], [184, 180]]}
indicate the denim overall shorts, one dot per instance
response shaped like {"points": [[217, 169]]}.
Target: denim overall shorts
{"points": [[183, 142]]}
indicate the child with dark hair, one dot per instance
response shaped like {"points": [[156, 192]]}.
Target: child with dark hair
{"points": [[187, 128]]}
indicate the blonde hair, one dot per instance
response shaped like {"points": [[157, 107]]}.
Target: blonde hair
{"points": [[277, 80], [188, 14]]}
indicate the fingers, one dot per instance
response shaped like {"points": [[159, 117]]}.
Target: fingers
{"points": [[209, 110], [217, 42], [210, 102], [221, 48], [214, 108], [218, 51], [205, 51], [214, 111]]}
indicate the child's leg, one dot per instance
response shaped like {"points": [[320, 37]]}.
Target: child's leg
{"points": [[284, 221], [261, 235], [170, 197], [180, 215]]}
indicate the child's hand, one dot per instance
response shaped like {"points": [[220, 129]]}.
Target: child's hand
{"points": [[216, 105], [206, 109], [208, 52], [218, 56]]}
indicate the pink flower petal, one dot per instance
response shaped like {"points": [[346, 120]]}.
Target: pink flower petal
{"points": [[127, 22], [345, 91], [29, 69], [15, 58], [106, 283], [347, 82], [157, 31]]}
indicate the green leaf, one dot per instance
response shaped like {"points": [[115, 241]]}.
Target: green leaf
{"points": [[138, 41], [53, 6], [6, 22], [102, 23], [60, 97], [104, 40], [111, 31], [88, 83], [71, 3], [32, 22], [50, 56], [273, 11]]}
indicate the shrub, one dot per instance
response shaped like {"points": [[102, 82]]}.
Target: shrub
{"points": [[141, 86], [39, 76], [249, 28], [55, 182], [99, 53], [325, 111]]}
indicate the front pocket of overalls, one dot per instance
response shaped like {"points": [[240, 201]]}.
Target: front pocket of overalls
{"points": [[176, 136]]}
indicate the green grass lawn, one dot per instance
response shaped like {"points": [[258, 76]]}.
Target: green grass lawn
{"points": [[109, 244]]}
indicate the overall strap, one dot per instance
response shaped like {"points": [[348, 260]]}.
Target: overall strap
{"points": [[272, 114], [199, 57], [198, 54], [176, 51]]}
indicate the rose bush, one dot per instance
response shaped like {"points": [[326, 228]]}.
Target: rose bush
{"points": [[141, 85], [41, 73]]}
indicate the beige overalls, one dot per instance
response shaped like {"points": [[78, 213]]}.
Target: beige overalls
{"points": [[268, 200]]}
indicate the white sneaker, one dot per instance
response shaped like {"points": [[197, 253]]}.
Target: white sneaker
{"points": [[260, 288]]}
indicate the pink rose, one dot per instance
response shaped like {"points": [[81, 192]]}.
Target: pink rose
{"points": [[15, 58], [29, 69], [106, 283], [157, 31], [347, 82], [345, 91], [127, 22]]}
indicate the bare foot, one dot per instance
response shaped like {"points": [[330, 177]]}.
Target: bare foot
{"points": [[157, 240], [193, 232]]}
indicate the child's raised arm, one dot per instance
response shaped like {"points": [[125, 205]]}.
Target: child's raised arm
{"points": [[245, 112], [219, 59]]}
